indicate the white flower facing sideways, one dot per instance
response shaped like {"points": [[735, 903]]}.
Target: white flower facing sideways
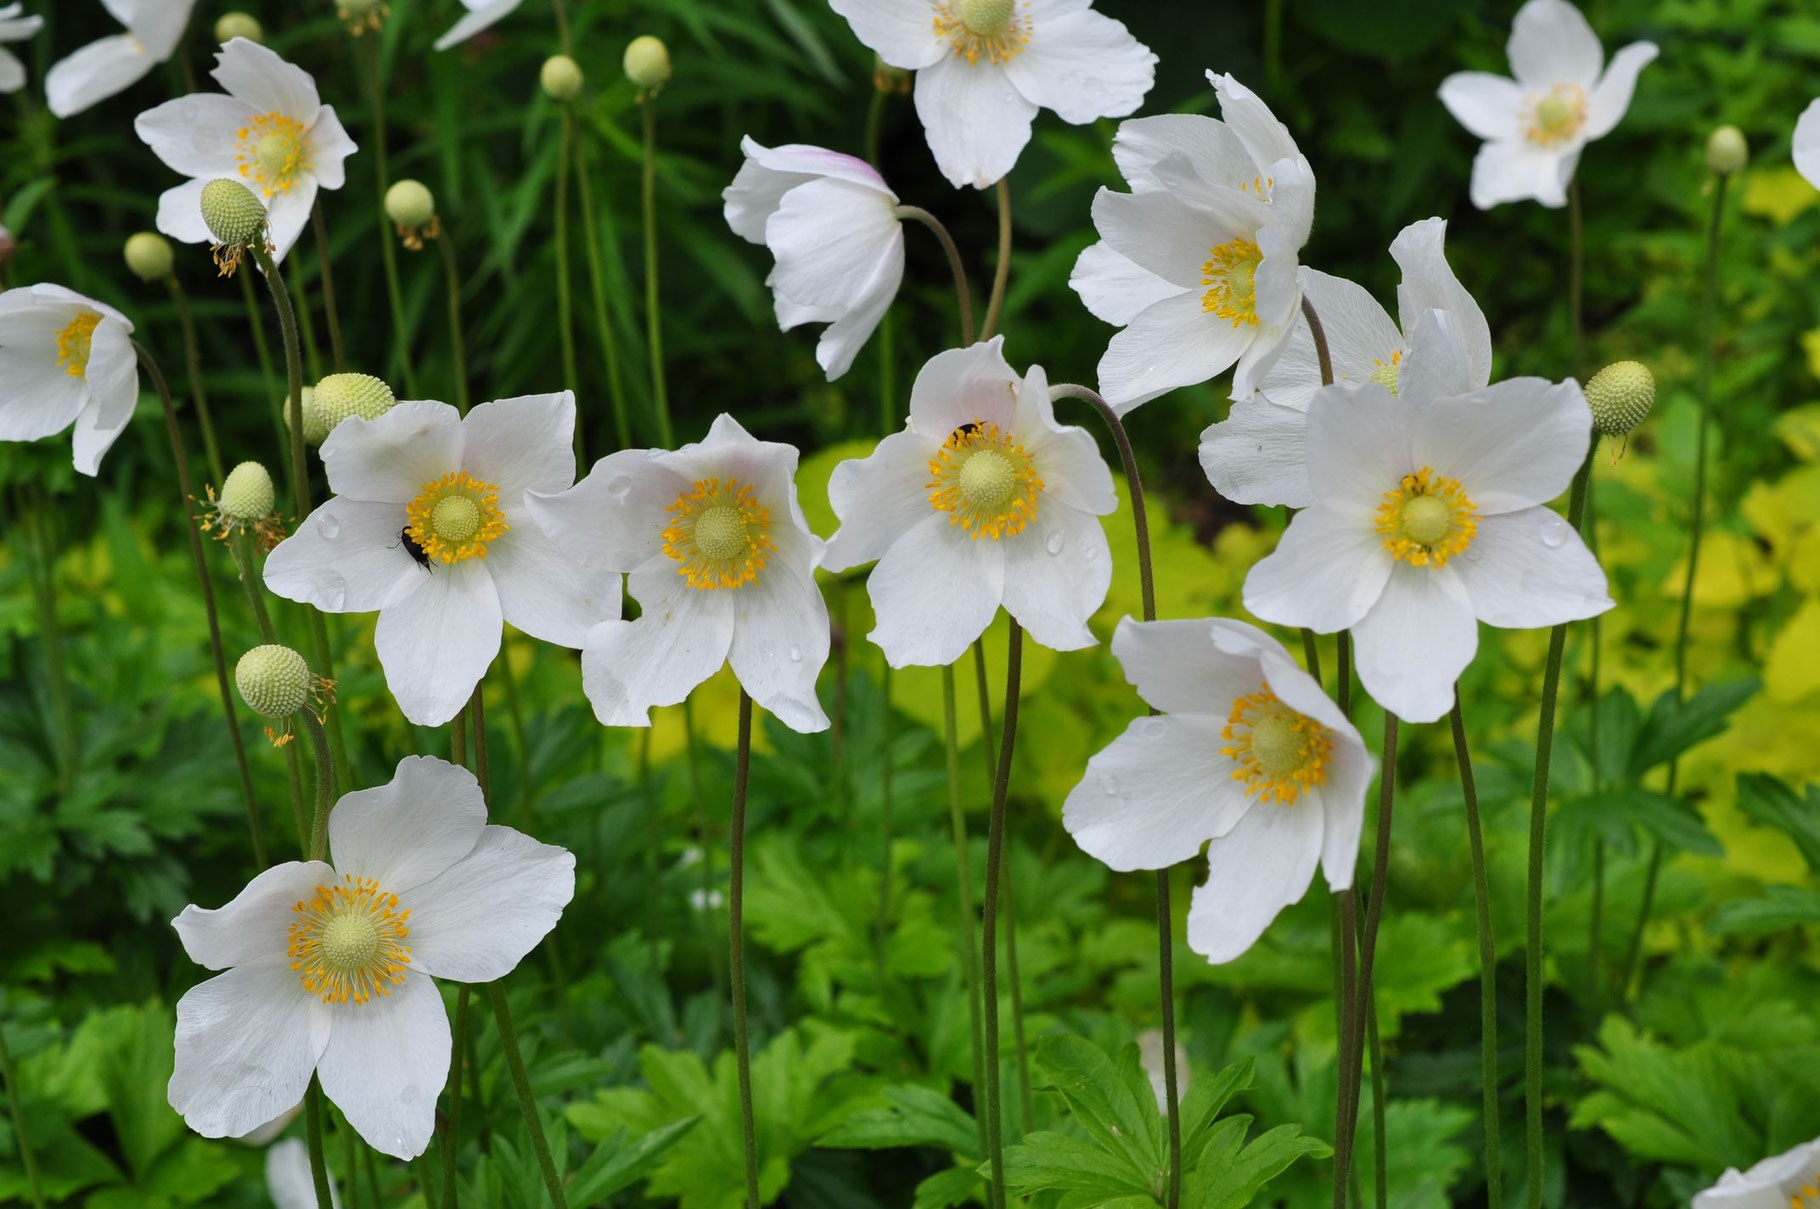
{"points": [[271, 132], [1807, 144], [1198, 262], [480, 15], [982, 500], [1788, 1181], [65, 360], [113, 64], [984, 67], [1429, 517], [1246, 752], [1536, 125], [328, 965], [289, 1180], [721, 561], [429, 527], [831, 222], [14, 28], [1259, 453]]}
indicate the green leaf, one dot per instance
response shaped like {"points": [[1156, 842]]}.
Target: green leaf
{"points": [[1206, 1096], [1228, 1173], [945, 1189], [1779, 907], [1775, 803], [1046, 1161], [615, 1166], [1672, 729], [1428, 1129], [1114, 1103], [916, 1116]]}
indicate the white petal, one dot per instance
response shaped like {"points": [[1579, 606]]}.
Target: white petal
{"points": [[12, 71], [1513, 444], [755, 194], [95, 73], [480, 16], [180, 213], [113, 384], [1277, 291], [1259, 454], [831, 238], [1209, 146], [1429, 284], [195, 135], [1438, 365], [1113, 288], [613, 520], [37, 396], [796, 163], [975, 121], [1807, 143], [287, 213], [1551, 43], [879, 497], [544, 590], [1253, 871], [1265, 138], [522, 444], [848, 333], [1159, 233], [436, 641], [934, 591], [259, 76], [1529, 569], [1084, 66], [348, 556], [1360, 338], [1612, 97], [781, 637], [1069, 463], [1415, 642], [964, 385], [1326, 573], [247, 1041], [410, 830], [1172, 344], [479, 918], [681, 639], [1177, 668], [159, 24], [1359, 441], [252, 928], [391, 459], [289, 1179], [1485, 104], [386, 1063], [1056, 575], [330, 144], [902, 32], [1155, 794], [1349, 773], [1515, 170]]}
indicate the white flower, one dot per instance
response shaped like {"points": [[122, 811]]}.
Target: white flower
{"points": [[1427, 519], [831, 222], [329, 966], [288, 1178], [14, 28], [429, 526], [984, 67], [1259, 453], [1199, 259], [722, 563], [982, 500], [1788, 1181], [65, 359], [481, 14], [1807, 144], [114, 64], [1248, 753], [1535, 125], [271, 132]]}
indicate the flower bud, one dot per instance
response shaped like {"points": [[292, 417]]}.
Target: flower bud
{"points": [[339, 396], [1620, 396], [238, 25], [149, 256], [273, 680], [232, 212], [247, 494], [647, 63], [1726, 151], [409, 204], [561, 77]]}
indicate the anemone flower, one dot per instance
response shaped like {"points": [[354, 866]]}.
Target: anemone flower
{"points": [[1787, 1181], [113, 64], [65, 361], [480, 15]]}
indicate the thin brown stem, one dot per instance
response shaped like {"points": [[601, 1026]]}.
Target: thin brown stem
{"points": [[736, 917], [963, 293], [192, 358]]}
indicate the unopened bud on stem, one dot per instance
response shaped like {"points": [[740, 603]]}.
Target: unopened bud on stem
{"points": [[149, 256], [647, 63], [1726, 151], [561, 77], [273, 680], [238, 25]]}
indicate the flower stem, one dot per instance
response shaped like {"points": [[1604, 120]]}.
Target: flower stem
{"points": [[1374, 913], [736, 919], [1576, 275], [995, 844], [565, 298], [1488, 962], [325, 785], [1001, 273], [401, 340], [274, 402], [1348, 1042], [1319, 333], [527, 1100], [312, 1129], [193, 364], [330, 312], [26, 1159], [452, 1134], [255, 829], [963, 293], [44, 591], [886, 827], [963, 866], [654, 335], [597, 283], [562, 25], [452, 276]]}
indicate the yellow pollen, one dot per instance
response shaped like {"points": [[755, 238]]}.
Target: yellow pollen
{"points": [[720, 534], [1386, 373], [272, 151], [1556, 116], [74, 340], [454, 517], [1281, 754], [985, 480], [1427, 520], [1231, 277], [346, 942], [995, 30]]}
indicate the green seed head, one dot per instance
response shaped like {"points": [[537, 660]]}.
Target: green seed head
{"points": [[234, 215], [274, 681], [1620, 396], [561, 77], [246, 493], [409, 204], [238, 25], [988, 18], [647, 63], [149, 256], [339, 396], [1726, 151]]}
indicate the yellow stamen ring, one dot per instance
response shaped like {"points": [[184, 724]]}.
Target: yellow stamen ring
{"points": [[1427, 520], [720, 534], [1231, 277], [74, 340], [1556, 116], [995, 30], [1281, 754], [986, 481], [272, 151], [455, 516], [347, 943]]}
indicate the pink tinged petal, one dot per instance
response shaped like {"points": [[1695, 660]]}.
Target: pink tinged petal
{"points": [[1612, 97], [196, 135], [1551, 43], [391, 459], [934, 591], [1209, 146], [831, 238], [287, 213], [247, 1041], [159, 24], [1513, 444], [1485, 104], [962, 386], [1172, 344], [878, 498], [1807, 144], [1056, 575], [1161, 235], [1155, 794], [482, 916], [1415, 642], [480, 16], [1529, 569], [180, 213], [436, 642], [262, 78], [901, 31], [1439, 366], [1113, 288], [95, 73], [1176, 667], [543, 590], [330, 144], [410, 830], [1359, 442], [1253, 871], [613, 520], [522, 444], [347, 557], [1509, 171], [975, 121], [1084, 66], [386, 1062], [781, 637], [1265, 138], [800, 160], [1327, 573], [253, 928], [681, 639], [1429, 284], [1259, 455]]}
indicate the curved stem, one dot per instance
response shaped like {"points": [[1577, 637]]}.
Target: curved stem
{"points": [[1488, 962], [957, 821], [1319, 333], [312, 1129], [963, 293], [330, 312], [995, 844], [660, 391], [562, 26], [193, 365], [1133, 482], [452, 277], [736, 918], [527, 1100], [597, 283], [1001, 273], [401, 336], [27, 1160], [325, 785]]}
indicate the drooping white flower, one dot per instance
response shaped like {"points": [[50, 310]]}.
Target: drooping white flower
{"points": [[14, 28], [65, 360], [1788, 1181], [113, 64], [1259, 453], [481, 14], [1807, 144], [831, 222], [1198, 263], [1428, 517], [328, 966], [271, 132], [1535, 126], [429, 526], [721, 561], [288, 1178], [982, 500], [1247, 752], [984, 67]]}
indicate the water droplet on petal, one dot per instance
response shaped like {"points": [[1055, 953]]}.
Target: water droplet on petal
{"points": [[1110, 784], [796, 654], [618, 485], [1053, 543], [1089, 551], [1554, 532], [328, 526], [335, 598], [1154, 728]]}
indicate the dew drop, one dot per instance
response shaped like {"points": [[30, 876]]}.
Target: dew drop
{"points": [[335, 599], [796, 654], [1053, 543], [1110, 784], [1154, 728], [328, 526], [1554, 532], [1089, 551], [618, 485]]}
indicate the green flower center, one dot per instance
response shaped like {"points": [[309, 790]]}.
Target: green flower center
{"points": [[987, 18], [720, 532], [456, 519]]}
